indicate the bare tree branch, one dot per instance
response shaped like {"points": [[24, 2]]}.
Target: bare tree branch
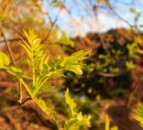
{"points": [[112, 9], [8, 47], [54, 22], [10, 40]]}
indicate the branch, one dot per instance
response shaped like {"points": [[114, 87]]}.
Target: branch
{"points": [[10, 40], [54, 22], [111, 8], [8, 47], [112, 74]]}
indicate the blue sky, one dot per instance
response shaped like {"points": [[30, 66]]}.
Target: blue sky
{"points": [[79, 18]]}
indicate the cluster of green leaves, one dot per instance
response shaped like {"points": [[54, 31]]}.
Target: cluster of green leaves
{"points": [[106, 62], [132, 53], [42, 70], [76, 119], [87, 106], [136, 18], [134, 48], [65, 41], [138, 114]]}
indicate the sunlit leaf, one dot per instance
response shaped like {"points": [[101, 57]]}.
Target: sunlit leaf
{"points": [[16, 70], [70, 102], [138, 114], [66, 41], [76, 120], [32, 47], [4, 60], [75, 69], [41, 103], [130, 65]]}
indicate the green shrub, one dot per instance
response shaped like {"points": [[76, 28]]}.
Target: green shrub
{"points": [[41, 71]]}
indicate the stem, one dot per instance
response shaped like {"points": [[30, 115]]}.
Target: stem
{"points": [[39, 86], [20, 93], [26, 87], [34, 99], [33, 73], [8, 47], [12, 59], [33, 66]]}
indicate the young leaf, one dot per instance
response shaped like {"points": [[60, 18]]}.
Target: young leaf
{"points": [[138, 114], [4, 60], [76, 120], [41, 103], [130, 65], [32, 47], [70, 102], [71, 63], [66, 41], [76, 69]]}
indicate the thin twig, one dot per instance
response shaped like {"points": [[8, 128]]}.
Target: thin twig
{"points": [[44, 12], [10, 40], [104, 74], [13, 28], [111, 8], [23, 102], [20, 93], [13, 61], [8, 47]]}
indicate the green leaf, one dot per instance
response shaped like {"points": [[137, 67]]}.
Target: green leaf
{"points": [[76, 120], [71, 63], [70, 102], [4, 60], [138, 114], [66, 41], [41, 103], [32, 47], [16, 70], [45, 89], [101, 56], [132, 10], [114, 70], [76, 69], [130, 65], [132, 50]]}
